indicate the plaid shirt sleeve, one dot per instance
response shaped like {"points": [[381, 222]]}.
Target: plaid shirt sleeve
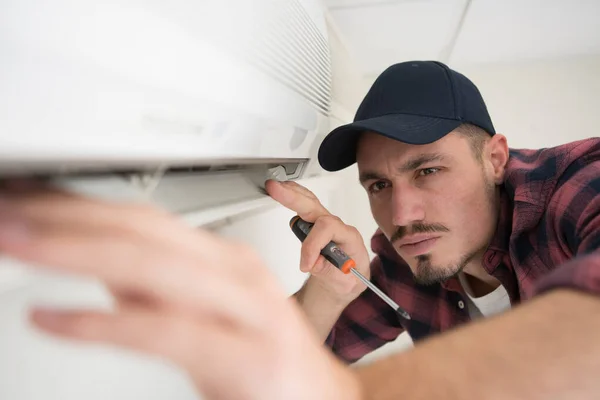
{"points": [[366, 324], [574, 214]]}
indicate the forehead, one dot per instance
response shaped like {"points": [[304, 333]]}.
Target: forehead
{"points": [[374, 149]]}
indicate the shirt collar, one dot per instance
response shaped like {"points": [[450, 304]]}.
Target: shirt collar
{"points": [[503, 231]]}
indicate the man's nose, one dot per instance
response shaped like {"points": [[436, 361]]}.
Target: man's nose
{"points": [[408, 206]]}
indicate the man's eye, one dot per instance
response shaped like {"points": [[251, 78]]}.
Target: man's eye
{"points": [[428, 171], [377, 186]]}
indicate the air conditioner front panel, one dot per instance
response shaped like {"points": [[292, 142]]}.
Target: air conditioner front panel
{"points": [[140, 83]]}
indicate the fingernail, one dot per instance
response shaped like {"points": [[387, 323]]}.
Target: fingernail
{"points": [[305, 268]]}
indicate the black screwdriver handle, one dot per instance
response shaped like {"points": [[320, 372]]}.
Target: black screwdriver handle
{"points": [[331, 252]]}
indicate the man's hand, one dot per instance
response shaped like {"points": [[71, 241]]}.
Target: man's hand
{"points": [[328, 291], [207, 304], [327, 227]]}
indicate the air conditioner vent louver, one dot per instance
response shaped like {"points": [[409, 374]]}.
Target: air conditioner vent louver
{"points": [[282, 40], [292, 49]]}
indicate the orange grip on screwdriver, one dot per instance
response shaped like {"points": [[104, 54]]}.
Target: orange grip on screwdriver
{"points": [[331, 251]]}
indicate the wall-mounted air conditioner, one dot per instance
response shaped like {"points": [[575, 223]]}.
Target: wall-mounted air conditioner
{"points": [[191, 103]]}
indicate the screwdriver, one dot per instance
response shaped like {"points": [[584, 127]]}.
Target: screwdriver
{"points": [[340, 260]]}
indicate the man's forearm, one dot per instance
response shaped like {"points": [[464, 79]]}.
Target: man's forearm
{"points": [[321, 310], [547, 348]]}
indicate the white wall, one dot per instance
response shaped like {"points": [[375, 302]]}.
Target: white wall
{"points": [[542, 104]]}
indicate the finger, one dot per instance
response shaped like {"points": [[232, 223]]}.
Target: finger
{"points": [[178, 337], [307, 266], [296, 198], [52, 207], [171, 277], [322, 266], [325, 229], [64, 243]]}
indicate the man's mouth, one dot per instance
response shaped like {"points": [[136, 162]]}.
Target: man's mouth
{"points": [[416, 245]]}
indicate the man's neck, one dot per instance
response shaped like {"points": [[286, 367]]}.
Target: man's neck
{"points": [[480, 282]]}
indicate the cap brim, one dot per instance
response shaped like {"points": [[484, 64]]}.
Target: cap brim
{"points": [[338, 149]]}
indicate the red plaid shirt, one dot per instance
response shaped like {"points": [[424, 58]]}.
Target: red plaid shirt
{"points": [[548, 236]]}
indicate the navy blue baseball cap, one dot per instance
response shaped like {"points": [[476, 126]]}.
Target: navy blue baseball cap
{"points": [[415, 102]]}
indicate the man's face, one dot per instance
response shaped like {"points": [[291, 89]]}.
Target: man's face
{"points": [[436, 203]]}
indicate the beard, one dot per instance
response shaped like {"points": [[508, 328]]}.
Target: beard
{"points": [[428, 274]]}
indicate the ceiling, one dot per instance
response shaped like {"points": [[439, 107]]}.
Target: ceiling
{"points": [[465, 32]]}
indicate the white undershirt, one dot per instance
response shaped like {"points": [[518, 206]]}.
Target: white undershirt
{"points": [[492, 303]]}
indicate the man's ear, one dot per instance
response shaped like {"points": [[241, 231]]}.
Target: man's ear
{"points": [[497, 151]]}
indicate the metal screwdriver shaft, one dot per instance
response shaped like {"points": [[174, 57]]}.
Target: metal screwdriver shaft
{"points": [[340, 260], [379, 293]]}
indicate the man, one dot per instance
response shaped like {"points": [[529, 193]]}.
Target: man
{"points": [[479, 229], [458, 213]]}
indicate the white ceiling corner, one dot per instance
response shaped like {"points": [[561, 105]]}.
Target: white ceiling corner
{"points": [[383, 32]]}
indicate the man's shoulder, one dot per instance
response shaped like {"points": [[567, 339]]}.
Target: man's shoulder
{"points": [[533, 175], [528, 159]]}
